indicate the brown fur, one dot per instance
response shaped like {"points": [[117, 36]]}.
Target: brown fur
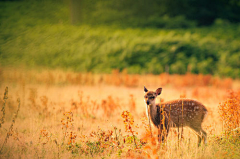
{"points": [[192, 115]]}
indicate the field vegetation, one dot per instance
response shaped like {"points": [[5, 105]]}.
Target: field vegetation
{"points": [[57, 114], [71, 85]]}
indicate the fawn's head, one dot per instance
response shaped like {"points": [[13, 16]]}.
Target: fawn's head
{"points": [[150, 96]]}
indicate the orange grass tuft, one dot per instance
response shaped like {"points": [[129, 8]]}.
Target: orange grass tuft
{"points": [[229, 111]]}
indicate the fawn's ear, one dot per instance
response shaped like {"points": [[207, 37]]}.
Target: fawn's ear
{"points": [[145, 89], [159, 91]]}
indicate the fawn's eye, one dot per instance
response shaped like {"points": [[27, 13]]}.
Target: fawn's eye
{"points": [[151, 98]]}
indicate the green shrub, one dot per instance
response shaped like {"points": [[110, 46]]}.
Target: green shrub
{"points": [[46, 39]]}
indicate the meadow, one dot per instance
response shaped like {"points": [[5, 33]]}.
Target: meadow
{"points": [[75, 90], [63, 114]]}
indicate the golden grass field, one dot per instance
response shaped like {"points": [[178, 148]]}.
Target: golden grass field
{"points": [[64, 114]]}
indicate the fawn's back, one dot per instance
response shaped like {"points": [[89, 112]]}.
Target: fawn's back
{"points": [[185, 112]]}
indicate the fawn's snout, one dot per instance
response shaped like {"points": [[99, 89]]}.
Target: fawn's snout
{"points": [[147, 102], [150, 100]]}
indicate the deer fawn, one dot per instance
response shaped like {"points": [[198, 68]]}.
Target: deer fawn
{"points": [[192, 115]]}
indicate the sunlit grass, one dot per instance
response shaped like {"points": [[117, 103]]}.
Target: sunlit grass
{"points": [[84, 120]]}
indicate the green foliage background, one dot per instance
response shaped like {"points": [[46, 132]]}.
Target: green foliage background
{"points": [[39, 34]]}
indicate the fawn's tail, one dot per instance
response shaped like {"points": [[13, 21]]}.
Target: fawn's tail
{"points": [[204, 114]]}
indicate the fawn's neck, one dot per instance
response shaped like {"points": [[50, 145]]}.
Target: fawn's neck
{"points": [[154, 114]]}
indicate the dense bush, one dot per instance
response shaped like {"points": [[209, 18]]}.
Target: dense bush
{"points": [[38, 34], [141, 12]]}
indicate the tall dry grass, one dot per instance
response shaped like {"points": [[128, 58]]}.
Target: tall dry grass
{"points": [[116, 78], [61, 118]]}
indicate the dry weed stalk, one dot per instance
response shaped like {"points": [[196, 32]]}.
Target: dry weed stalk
{"points": [[164, 119], [129, 124], [3, 108], [67, 123], [149, 142], [10, 131], [88, 107], [33, 97], [44, 137], [148, 132], [44, 100]]}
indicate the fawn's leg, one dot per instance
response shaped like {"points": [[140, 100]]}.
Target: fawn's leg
{"points": [[204, 134], [197, 130]]}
